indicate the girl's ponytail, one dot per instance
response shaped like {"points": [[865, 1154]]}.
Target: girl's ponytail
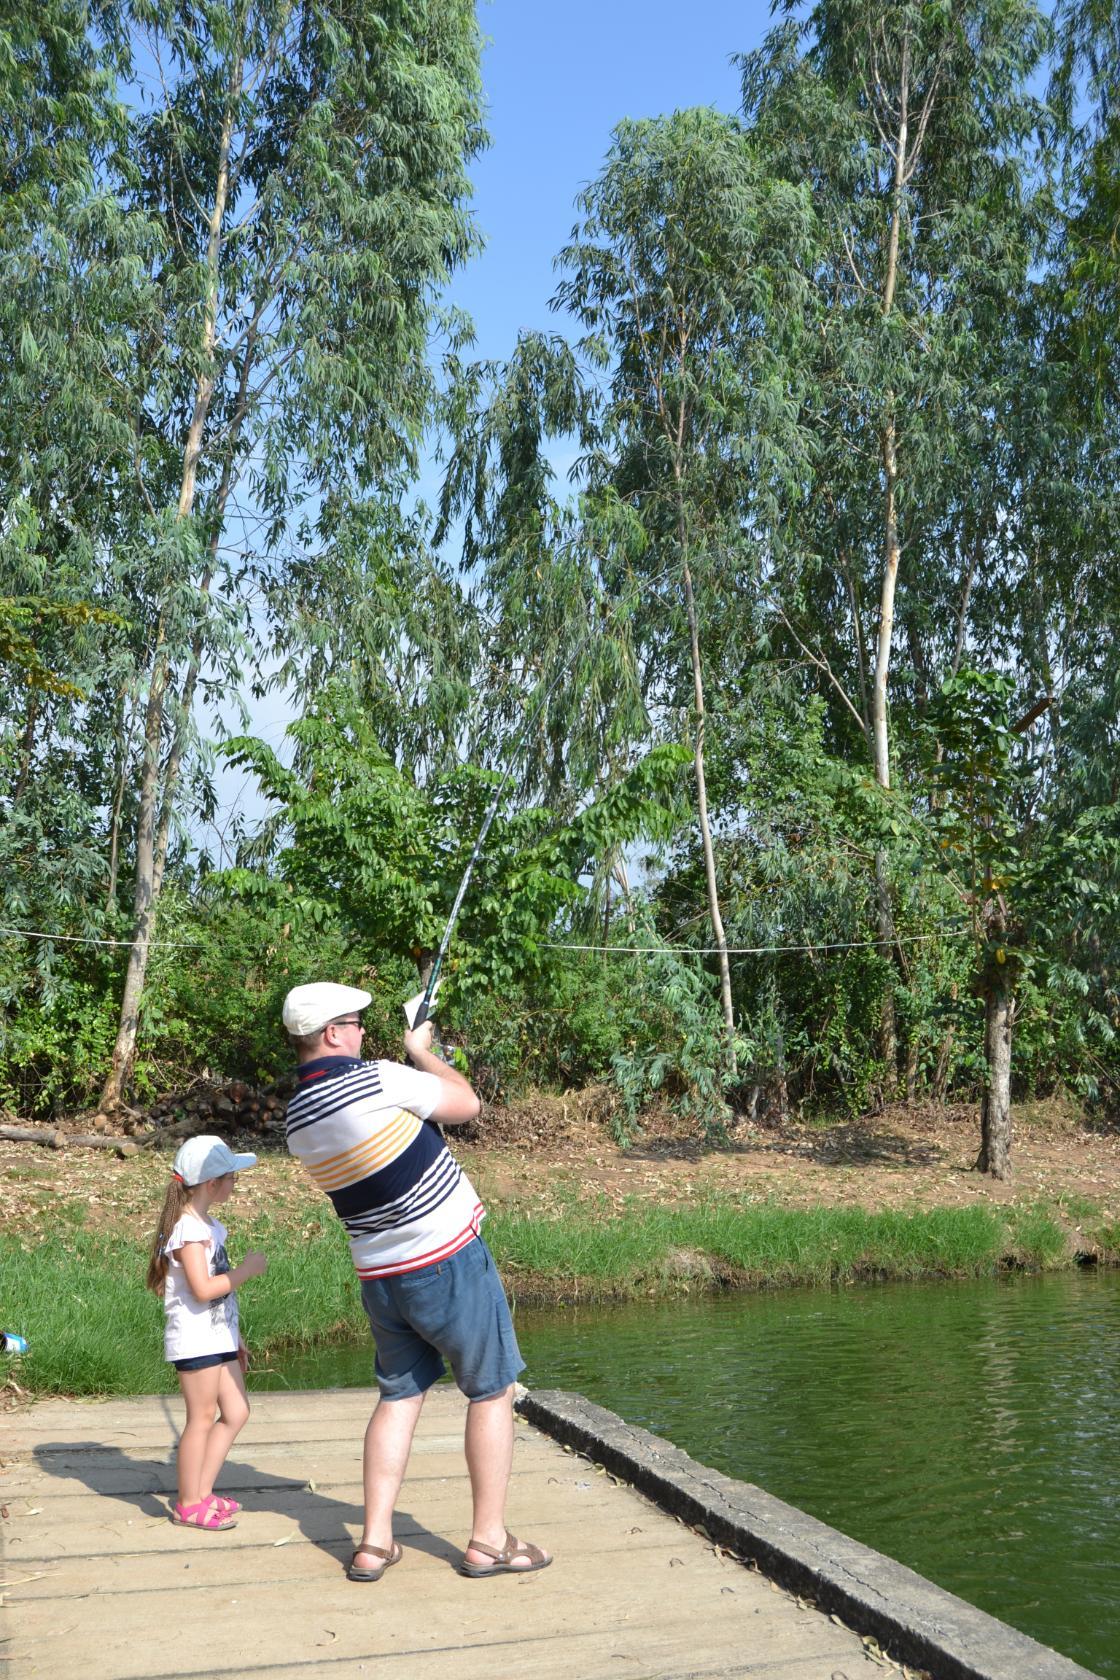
{"points": [[173, 1205]]}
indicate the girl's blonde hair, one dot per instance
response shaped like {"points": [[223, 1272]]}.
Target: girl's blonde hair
{"points": [[174, 1204]]}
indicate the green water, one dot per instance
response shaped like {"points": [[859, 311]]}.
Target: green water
{"points": [[970, 1430]]}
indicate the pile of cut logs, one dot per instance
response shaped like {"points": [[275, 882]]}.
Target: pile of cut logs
{"points": [[221, 1109]]}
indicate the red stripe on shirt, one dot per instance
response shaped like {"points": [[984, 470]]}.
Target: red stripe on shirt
{"points": [[435, 1254]]}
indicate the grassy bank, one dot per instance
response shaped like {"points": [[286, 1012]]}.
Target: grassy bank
{"points": [[78, 1297]]}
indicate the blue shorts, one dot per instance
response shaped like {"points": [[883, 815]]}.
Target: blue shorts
{"points": [[454, 1310], [203, 1361]]}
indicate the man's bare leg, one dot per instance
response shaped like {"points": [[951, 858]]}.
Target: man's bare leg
{"points": [[489, 1448], [384, 1461]]}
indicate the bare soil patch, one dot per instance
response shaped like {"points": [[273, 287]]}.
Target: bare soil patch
{"points": [[910, 1157], [547, 1153]]}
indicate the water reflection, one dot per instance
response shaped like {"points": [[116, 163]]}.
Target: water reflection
{"points": [[969, 1430]]}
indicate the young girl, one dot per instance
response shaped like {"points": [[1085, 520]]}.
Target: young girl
{"points": [[189, 1268]]}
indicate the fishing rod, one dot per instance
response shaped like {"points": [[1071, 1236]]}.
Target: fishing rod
{"points": [[423, 1004]]}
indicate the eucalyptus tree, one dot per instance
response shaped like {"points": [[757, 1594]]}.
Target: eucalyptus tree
{"points": [[73, 298], [1078, 578], [679, 405], [373, 603], [555, 587], [550, 569], [304, 165], [913, 125], [686, 274]]}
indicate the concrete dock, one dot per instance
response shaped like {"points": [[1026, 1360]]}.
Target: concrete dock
{"points": [[97, 1584]]}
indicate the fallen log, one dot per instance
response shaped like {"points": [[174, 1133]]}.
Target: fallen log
{"points": [[51, 1138], [27, 1134]]}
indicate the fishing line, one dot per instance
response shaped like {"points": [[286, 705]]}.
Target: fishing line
{"points": [[751, 950], [83, 939]]}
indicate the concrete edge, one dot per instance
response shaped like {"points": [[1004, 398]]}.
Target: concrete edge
{"points": [[917, 1622]]}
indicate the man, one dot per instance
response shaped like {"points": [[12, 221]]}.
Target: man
{"points": [[429, 1285]]}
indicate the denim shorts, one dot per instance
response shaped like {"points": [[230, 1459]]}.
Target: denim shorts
{"points": [[454, 1310]]}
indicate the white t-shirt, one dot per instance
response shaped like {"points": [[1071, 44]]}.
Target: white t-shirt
{"points": [[358, 1127], [193, 1327]]}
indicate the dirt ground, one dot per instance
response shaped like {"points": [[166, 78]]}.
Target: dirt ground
{"points": [[909, 1157], [551, 1154]]}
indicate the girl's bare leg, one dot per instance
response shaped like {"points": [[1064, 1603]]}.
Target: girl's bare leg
{"points": [[200, 1392], [233, 1407]]}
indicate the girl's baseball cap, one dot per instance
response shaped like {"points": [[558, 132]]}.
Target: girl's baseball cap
{"points": [[202, 1158]]}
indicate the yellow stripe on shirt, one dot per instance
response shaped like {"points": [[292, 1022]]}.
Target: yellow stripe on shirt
{"points": [[368, 1156]]}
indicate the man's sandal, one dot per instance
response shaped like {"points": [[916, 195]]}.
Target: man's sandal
{"points": [[503, 1563], [353, 1573], [206, 1514]]}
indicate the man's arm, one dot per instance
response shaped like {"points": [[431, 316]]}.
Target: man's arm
{"points": [[457, 1101]]}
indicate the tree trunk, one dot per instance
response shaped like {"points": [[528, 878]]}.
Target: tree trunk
{"points": [[151, 830], [888, 1032], [618, 870], [124, 736], [143, 902], [944, 1052], [995, 1105], [880, 736], [912, 1070], [705, 828], [884, 916]]}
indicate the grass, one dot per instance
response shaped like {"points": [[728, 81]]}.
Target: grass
{"points": [[78, 1295], [672, 1250]]}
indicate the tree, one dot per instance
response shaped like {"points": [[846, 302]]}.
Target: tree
{"points": [[1027, 875], [357, 843], [674, 274], [686, 274], [73, 297], [913, 124], [304, 165]]}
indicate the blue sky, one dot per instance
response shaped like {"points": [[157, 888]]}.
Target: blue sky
{"points": [[557, 78]]}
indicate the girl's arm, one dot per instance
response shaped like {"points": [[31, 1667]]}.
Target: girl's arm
{"points": [[206, 1288]]}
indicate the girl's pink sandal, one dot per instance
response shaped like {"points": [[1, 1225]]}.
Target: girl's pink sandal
{"points": [[229, 1506], [206, 1514]]}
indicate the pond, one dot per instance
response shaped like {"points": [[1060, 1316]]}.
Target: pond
{"points": [[970, 1430]]}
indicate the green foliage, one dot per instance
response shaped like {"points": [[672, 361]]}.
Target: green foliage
{"points": [[213, 410], [369, 851], [1034, 875], [54, 1049], [22, 627]]}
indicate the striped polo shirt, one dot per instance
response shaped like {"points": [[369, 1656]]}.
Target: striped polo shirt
{"points": [[359, 1129]]}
